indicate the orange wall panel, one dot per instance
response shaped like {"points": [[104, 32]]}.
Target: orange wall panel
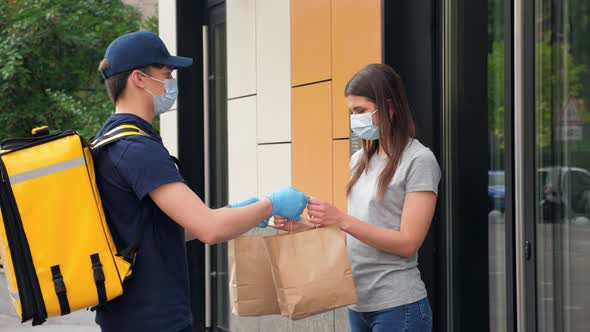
{"points": [[356, 42], [341, 160], [311, 146], [310, 41]]}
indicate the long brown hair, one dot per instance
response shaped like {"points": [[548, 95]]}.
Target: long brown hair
{"points": [[382, 85]]}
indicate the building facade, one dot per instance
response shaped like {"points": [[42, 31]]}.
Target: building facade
{"points": [[499, 90], [148, 8]]}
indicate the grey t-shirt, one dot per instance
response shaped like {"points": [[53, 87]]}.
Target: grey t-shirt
{"points": [[385, 280]]}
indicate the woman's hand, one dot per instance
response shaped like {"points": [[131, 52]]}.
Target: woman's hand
{"points": [[323, 213], [284, 224]]}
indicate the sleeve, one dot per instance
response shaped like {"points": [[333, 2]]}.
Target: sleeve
{"points": [[355, 159], [423, 173], [146, 165]]}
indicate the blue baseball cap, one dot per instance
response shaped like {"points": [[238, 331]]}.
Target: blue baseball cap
{"points": [[139, 49]]}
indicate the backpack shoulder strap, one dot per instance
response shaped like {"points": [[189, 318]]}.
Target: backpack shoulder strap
{"points": [[116, 134]]}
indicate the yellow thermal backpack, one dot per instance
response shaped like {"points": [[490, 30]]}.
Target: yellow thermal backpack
{"points": [[55, 244]]}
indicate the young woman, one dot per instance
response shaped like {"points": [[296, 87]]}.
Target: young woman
{"points": [[391, 201]]}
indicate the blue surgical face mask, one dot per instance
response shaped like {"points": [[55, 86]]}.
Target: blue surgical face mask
{"points": [[163, 103], [362, 125]]}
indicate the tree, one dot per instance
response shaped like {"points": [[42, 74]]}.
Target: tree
{"points": [[50, 51], [548, 80]]}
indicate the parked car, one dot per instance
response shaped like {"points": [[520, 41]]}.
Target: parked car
{"points": [[496, 191], [565, 194]]}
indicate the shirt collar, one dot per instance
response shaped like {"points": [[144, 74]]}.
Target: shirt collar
{"points": [[128, 118]]}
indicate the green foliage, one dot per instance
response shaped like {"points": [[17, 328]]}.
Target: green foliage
{"points": [[549, 97], [559, 79], [496, 91], [150, 24], [50, 51]]}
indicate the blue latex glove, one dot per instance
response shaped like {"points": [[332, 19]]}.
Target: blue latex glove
{"points": [[247, 202], [243, 203], [289, 203]]}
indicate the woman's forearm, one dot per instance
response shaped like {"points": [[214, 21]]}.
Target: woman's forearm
{"points": [[393, 242]]}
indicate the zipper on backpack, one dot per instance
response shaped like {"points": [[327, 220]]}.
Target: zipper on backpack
{"points": [[16, 144]]}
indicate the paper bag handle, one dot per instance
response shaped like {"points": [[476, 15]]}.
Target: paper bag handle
{"points": [[290, 228]]}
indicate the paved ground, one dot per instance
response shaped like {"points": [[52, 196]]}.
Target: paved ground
{"points": [[82, 321], [563, 270]]}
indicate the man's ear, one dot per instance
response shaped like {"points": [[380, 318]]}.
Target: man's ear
{"points": [[137, 79]]}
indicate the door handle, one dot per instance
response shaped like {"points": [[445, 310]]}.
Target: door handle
{"points": [[527, 250]]}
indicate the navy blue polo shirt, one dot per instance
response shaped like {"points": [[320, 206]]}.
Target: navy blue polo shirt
{"points": [[156, 296]]}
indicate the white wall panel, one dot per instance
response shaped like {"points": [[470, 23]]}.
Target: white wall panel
{"points": [[241, 48], [242, 149], [167, 32], [273, 66], [274, 167]]}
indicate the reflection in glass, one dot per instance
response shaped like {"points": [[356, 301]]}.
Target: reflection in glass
{"points": [[562, 186], [218, 160], [496, 185]]}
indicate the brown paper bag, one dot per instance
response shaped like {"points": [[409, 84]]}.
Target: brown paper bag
{"points": [[251, 286], [311, 271]]}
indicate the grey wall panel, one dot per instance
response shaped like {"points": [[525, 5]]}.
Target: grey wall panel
{"points": [[341, 320], [318, 323]]}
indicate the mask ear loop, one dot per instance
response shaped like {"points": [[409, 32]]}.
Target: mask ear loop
{"points": [[148, 76], [152, 78], [155, 79]]}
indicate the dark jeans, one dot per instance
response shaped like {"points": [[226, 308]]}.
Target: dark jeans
{"points": [[413, 317]]}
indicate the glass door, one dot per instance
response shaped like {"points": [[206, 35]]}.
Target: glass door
{"points": [[562, 164], [478, 165], [218, 159], [498, 34]]}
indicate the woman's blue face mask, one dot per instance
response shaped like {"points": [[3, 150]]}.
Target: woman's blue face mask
{"points": [[362, 125]]}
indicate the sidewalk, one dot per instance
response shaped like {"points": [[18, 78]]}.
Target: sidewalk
{"points": [[81, 321]]}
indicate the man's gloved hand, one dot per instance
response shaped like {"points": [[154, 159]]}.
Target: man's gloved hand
{"points": [[288, 202], [247, 202]]}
